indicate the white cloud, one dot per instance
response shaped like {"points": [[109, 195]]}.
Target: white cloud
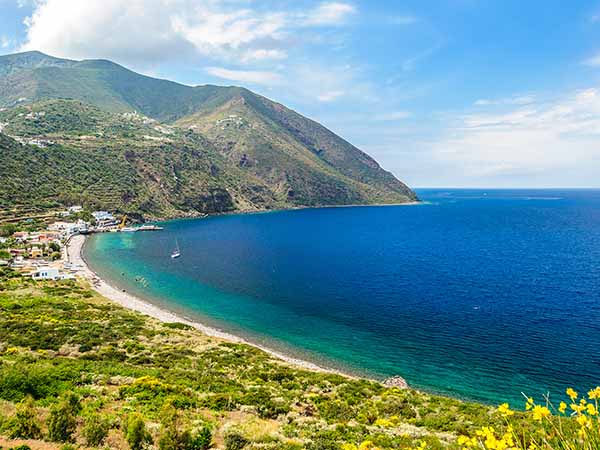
{"points": [[6, 42], [143, 33], [330, 13], [518, 100], [246, 76], [594, 61], [262, 54], [329, 96], [326, 82], [541, 142]]}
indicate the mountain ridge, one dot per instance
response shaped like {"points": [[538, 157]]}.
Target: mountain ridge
{"points": [[248, 139]]}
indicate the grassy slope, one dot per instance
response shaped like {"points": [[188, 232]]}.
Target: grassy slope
{"points": [[58, 337]]}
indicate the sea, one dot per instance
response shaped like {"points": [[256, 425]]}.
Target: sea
{"points": [[485, 295]]}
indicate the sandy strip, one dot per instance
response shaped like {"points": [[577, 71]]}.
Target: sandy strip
{"points": [[73, 255]]}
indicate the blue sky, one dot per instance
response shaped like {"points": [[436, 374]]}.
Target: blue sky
{"points": [[442, 93]]}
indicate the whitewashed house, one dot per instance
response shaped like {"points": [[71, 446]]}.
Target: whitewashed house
{"points": [[50, 273]]}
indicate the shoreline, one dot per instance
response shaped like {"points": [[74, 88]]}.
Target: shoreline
{"points": [[74, 249], [266, 211]]}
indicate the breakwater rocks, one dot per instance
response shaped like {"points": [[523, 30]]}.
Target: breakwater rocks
{"points": [[396, 381]]}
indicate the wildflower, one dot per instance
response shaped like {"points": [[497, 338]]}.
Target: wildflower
{"points": [[505, 410], [572, 394], [529, 403], [367, 445], [562, 407], [384, 423], [594, 393], [577, 408], [539, 412], [591, 409], [466, 441], [584, 421]]}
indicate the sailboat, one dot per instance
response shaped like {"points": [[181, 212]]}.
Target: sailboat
{"points": [[176, 253]]}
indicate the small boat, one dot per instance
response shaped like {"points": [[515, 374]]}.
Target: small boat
{"points": [[149, 228], [176, 253]]}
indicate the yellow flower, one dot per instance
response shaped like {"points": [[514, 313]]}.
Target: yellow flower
{"points": [[572, 394], [584, 421], [591, 410], [529, 404], [467, 441], [539, 412], [384, 423], [594, 393], [577, 408], [367, 445], [562, 407], [505, 410]]}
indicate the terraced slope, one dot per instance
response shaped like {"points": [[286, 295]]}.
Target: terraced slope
{"points": [[159, 148]]}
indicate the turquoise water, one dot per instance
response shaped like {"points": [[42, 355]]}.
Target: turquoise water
{"points": [[476, 294]]}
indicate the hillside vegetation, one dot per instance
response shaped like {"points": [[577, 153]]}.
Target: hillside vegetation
{"points": [[59, 338], [76, 368], [110, 136]]}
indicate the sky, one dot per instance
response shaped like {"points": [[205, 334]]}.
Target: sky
{"points": [[453, 93]]}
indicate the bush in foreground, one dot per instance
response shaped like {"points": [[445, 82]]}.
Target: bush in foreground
{"points": [[62, 421], [95, 430], [136, 434], [24, 424], [572, 425]]}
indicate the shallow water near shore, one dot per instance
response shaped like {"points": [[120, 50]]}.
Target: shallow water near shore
{"points": [[479, 294]]}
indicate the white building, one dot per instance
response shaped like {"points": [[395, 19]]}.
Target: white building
{"points": [[50, 273], [104, 219], [67, 229]]}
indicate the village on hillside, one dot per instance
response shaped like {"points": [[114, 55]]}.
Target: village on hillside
{"points": [[39, 249]]}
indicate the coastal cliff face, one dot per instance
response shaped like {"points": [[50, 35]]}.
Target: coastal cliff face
{"points": [[108, 137]]}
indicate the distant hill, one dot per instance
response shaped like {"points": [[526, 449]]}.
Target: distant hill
{"points": [[166, 149]]}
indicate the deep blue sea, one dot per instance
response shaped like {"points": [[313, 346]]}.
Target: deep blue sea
{"points": [[479, 294]]}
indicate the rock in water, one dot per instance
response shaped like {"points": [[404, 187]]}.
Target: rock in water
{"points": [[396, 381]]}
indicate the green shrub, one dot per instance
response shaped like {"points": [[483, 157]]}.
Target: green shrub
{"points": [[136, 434], [68, 447], [172, 437], [202, 440], [266, 406], [95, 430], [24, 424], [235, 441], [178, 326], [37, 380], [323, 441], [62, 422]]}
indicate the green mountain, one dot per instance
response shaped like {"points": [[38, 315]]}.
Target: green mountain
{"points": [[113, 137]]}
